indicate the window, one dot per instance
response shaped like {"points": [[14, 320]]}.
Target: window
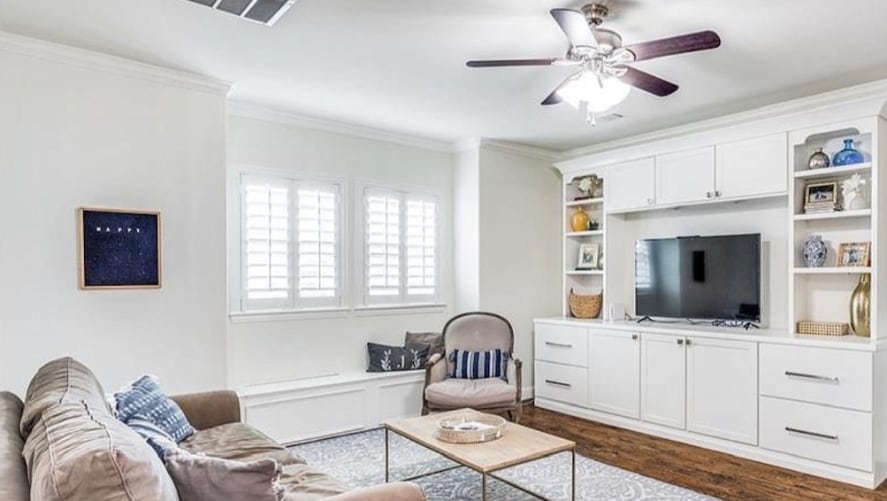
{"points": [[401, 248], [290, 248]]}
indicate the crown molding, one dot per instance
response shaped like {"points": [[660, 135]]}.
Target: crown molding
{"points": [[65, 54], [256, 111], [869, 96], [476, 143]]}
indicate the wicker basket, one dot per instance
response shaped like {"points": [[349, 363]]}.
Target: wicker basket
{"points": [[823, 328], [585, 306], [450, 429]]}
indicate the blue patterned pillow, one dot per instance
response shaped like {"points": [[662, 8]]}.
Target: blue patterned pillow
{"points": [[479, 364], [145, 401], [157, 438]]}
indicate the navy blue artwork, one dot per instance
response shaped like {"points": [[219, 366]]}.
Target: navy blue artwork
{"points": [[120, 249]]}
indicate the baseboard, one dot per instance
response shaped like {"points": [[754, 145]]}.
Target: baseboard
{"points": [[846, 475]]}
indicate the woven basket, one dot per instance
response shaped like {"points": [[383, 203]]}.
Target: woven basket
{"points": [[823, 328], [586, 306], [447, 429]]}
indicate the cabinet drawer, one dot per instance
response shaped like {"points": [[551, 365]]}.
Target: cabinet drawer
{"points": [[562, 383], [827, 434], [562, 344], [820, 375]]}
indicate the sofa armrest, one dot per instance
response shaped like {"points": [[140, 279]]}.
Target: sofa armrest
{"points": [[396, 491], [435, 369], [210, 409]]}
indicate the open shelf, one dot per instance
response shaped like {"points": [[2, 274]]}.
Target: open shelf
{"points": [[833, 171], [587, 201], [579, 234], [583, 272], [834, 270], [841, 214]]}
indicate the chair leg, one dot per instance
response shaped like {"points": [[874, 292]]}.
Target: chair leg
{"points": [[425, 410], [517, 414]]}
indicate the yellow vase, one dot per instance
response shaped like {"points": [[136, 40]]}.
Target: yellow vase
{"points": [[579, 221], [861, 307]]}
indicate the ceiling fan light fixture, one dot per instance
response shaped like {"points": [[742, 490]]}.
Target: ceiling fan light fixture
{"points": [[598, 92]]}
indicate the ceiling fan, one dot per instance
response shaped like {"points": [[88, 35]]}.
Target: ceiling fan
{"points": [[605, 76]]}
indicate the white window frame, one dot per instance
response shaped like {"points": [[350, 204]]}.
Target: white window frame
{"points": [[293, 303], [402, 299]]}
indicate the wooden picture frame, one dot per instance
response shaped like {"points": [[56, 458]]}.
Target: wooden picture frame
{"points": [[119, 248], [854, 254], [589, 257], [814, 200]]}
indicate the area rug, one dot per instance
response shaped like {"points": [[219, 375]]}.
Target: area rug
{"points": [[358, 460]]}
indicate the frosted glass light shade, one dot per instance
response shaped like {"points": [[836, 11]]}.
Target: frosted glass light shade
{"points": [[586, 88]]}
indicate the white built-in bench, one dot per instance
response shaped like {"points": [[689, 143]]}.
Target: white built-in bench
{"points": [[303, 409]]}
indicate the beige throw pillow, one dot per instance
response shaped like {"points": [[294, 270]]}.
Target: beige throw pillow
{"points": [[434, 341], [203, 478]]}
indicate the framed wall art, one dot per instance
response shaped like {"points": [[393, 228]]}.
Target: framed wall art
{"points": [[119, 248]]}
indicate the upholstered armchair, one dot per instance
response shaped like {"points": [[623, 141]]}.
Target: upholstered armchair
{"points": [[476, 331]]}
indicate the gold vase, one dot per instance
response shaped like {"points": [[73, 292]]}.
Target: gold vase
{"points": [[579, 221], [861, 307]]}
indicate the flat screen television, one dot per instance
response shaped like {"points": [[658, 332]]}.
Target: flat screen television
{"points": [[706, 278]]}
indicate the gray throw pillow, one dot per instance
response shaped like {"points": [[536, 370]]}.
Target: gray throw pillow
{"points": [[385, 358], [434, 340], [203, 478]]}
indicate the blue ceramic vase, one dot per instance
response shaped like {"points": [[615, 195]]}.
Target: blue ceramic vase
{"points": [[848, 155], [815, 252]]}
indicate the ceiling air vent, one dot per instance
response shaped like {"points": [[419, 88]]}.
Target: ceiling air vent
{"points": [[261, 11]]}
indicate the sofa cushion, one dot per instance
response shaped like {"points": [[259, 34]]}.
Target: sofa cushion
{"points": [[477, 393], [203, 478], [303, 483], [76, 452], [60, 381], [240, 442], [145, 401], [13, 473]]}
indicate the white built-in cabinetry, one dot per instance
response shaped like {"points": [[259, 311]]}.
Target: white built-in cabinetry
{"points": [[814, 404]]}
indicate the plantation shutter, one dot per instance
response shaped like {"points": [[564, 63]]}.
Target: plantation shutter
{"points": [[421, 247], [318, 243], [267, 277], [383, 246]]}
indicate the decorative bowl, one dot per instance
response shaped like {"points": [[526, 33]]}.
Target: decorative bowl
{"points": [[470, 428]]}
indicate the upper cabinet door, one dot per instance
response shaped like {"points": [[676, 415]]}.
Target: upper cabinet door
{"points": [[753, 167], [629, 185], [686, 176]]}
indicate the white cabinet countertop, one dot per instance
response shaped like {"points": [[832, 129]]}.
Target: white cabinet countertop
{"points": [[763, 335]]}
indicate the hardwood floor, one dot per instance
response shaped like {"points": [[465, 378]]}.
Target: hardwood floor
{"points": [[709, 472]]}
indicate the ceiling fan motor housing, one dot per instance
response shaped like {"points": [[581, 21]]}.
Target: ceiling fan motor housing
{"points": [[595, 13]]}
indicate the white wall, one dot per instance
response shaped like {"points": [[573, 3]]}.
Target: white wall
{"points": [[261, 351], [520, 243], [82, 129], [466, 228]]}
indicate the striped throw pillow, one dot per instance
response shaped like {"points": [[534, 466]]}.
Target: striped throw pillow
{"points": [[479, 364]]}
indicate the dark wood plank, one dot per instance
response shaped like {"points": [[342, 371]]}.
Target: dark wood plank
{"points": [[709, 472]]}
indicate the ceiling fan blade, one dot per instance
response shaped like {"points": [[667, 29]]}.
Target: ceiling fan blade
{"points": [[493, 63], [553, 98], [647, 82], [691, 42], [575, 26]]}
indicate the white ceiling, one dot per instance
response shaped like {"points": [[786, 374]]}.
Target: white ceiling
{"points": [[398, 65]]}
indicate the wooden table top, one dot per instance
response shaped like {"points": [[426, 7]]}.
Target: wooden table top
{"points": [[517, 445]]}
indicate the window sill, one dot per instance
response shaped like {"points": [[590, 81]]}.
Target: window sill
{"points": [[399, 309], [242, 317]]}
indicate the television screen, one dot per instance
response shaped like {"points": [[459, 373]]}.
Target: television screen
{"points": [[716, 277]]}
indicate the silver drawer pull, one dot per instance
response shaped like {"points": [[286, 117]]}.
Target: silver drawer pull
{"points": [[558, 345], [811, 433], [811, 376], [558, 383]]}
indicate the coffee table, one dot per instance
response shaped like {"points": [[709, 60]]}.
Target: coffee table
{"points": [[518, 445]]}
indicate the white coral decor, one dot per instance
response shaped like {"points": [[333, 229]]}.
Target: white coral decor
{"points": [[852, 190]]}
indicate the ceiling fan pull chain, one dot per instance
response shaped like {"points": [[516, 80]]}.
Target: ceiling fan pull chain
{"points": [[590, 117]]}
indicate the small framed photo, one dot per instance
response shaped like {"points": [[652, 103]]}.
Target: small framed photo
{"points": [[589, 257], [819, 197], [854, 254], [119, 248]]}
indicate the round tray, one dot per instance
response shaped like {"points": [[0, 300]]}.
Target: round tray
{"points": [[459, 430]]}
